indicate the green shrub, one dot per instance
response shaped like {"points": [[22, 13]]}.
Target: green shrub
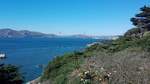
{"points": [[9, 74], [59, 69], [133, 32]]}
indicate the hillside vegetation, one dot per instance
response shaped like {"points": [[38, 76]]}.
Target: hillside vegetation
{"points": [[122, 61], [10, 74]]}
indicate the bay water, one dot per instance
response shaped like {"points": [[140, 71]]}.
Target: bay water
{"points": [[29, 53]]}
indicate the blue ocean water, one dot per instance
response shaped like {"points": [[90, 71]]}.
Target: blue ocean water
{"points": [[27, 53]]}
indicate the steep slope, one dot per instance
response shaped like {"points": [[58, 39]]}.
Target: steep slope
{"points": [[108, 62]]}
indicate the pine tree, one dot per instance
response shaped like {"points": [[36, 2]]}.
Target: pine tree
{"points": [[142, 20]]}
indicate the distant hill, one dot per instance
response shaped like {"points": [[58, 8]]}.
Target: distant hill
{"points": [[10, 33]]}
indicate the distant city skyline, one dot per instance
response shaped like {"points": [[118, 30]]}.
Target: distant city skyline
{"points": [[69, 17]]}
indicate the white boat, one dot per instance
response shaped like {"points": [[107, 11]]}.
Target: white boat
{"points": [[2, 56]]}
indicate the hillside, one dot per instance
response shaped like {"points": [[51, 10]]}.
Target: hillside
{"points": [[10, 33], [125, 60]]}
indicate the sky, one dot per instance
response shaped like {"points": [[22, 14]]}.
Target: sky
{"points": [[68, 17]]}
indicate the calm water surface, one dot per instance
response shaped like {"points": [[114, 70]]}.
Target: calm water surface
{"points": [[28, 53]]}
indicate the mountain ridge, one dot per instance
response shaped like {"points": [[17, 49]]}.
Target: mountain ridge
{"points": [[10, 33]]}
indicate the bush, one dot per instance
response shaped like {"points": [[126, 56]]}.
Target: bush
{"points": [[134, 32], [9, 74], [58, 69]]}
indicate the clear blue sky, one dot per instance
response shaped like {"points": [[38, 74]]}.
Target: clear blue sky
{"points": [[92, 17]]}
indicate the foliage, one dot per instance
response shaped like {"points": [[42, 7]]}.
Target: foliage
{"points": [[134, 32], [58, 69], [142, 23], [142, 20], [9, 74]]}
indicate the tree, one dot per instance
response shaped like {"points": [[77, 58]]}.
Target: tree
{"points": [[9, 74], [142, 20]]}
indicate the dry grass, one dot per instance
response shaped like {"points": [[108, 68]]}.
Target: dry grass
{"points": [[130, 66]]}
